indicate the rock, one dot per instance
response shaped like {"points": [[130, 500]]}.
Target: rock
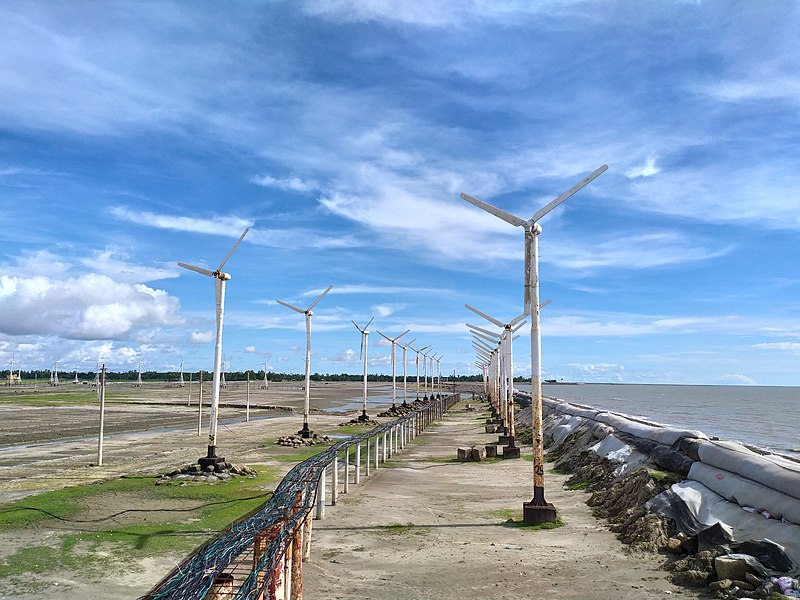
{"points": [[210, 468], [691, 577], [491, 451], [464, 454], [689, 542], [477, 454], [754, 579], [744, 585], [674, 545], [731, 568], [491, 428], [722, 584], [163, 480]]}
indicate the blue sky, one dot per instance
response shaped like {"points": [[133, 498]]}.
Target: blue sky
{"points": [[137, 134]]}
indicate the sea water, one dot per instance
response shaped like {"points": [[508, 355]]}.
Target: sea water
{"points": [[767, 417]]}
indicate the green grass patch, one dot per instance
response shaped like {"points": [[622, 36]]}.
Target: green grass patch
{"points": [[664, 477], [99, 542], [350, 430], [581, 485], [293, 455]]}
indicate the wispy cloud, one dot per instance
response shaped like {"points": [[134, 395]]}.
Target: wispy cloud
{"points": [[294, 184], [214, 224]]}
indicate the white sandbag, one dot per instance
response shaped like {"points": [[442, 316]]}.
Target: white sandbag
{"points": [[617, 451], [655, 433], [746, 492], [709, 508], [564, 426], [782, 475]]}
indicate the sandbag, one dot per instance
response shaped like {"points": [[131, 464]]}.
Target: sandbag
{"points": [[707, 507], [746, 492], [781, 475]]}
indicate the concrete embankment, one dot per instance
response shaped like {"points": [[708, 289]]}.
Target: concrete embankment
{"points": [[700, 495]]}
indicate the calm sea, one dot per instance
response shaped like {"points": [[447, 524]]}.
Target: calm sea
{"points": [[768, 417]]}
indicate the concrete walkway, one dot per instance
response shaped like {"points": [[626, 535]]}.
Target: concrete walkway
{"points": [[426, 526]]}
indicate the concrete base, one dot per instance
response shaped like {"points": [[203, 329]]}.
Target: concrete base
{"points": [[536, 515], [218, 462], [363, 417], [504, 440], [305, 432], [511, 452], [491, 451]]}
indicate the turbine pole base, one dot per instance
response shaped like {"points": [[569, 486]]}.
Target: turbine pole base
{"points": [[305, 432], [511, 451], [363, 418], [538, 510], [217, 463]]}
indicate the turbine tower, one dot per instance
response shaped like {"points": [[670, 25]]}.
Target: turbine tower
{"points": [[363, 354], [393, 341], [405, 365], [305, 432], [180, 381], [538, 510], [417, 352], [220, 278], [266, 365], [139, 376]]}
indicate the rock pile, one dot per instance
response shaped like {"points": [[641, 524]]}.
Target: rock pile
{"points": [[295, 441], [369, 422], [195, 474], [402, 409]]}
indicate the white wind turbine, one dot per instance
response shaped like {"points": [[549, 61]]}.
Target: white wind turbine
{"points": [[363, 354], [538, 510], [305, 432], [54, 374], [405, 365], [393, 341], [220, 278], [266, 366], [416, 361], [181, 383], [139, 376], [425, 358]]}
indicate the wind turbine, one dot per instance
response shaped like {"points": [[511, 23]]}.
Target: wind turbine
{"points": [[304, 432], [54, 374], [139, 375], [425, 358], [538, 510], [266, 365], [417, 363], [181, 382], [363, 354], [220, 278], [405, 364], [394, 362]]}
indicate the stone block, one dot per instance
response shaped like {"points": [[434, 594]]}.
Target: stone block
{"points": [[478, 454], [464, 454], [491, 451], [731, 568]]}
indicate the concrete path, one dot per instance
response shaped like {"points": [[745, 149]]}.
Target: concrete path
{"points": [[426, 526]]}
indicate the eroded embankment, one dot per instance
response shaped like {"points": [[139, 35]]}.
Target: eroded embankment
{"points": [[727, 515]]}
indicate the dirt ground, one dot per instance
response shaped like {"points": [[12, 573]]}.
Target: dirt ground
{"points": [[433, 528], [421, 527]]}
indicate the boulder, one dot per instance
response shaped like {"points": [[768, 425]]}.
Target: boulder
{"points": [[731, 568]]}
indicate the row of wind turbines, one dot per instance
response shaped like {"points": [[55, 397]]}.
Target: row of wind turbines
{"points": [[221, 278]]}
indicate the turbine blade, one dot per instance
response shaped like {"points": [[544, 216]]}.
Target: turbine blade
{"points": [[481, 329], [485, 316], [402, 334], [545, 303], [497, 212], [583, 182], [197, 269], [287, 305], [320, 297], [227, 256], [361, 349], [518, 327], [357, 327], [369, 323], [385, 337], [517, 319]]}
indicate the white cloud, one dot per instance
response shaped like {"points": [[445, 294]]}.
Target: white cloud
{"points": [[738, 379], [214, 224], [376, 289], [648, 169], [384, 310], [91, 306], [294, 184], [201, 337], [347, 356], [114, 264], [792, 347], [250, 349]]}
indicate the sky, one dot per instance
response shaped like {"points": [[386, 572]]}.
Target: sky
{"points": [[134, 135]]}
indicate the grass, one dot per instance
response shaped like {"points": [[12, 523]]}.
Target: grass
{"points": [[211, 508], [664, 477], [291, 454], [351, 430], [581, 485]]}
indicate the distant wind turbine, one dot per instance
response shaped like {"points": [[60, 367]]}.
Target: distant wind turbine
{"points": [[305, 432], [363, 354], [393, 341], [538, 510], [220, 278], [405, 348], [417, 352]]}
